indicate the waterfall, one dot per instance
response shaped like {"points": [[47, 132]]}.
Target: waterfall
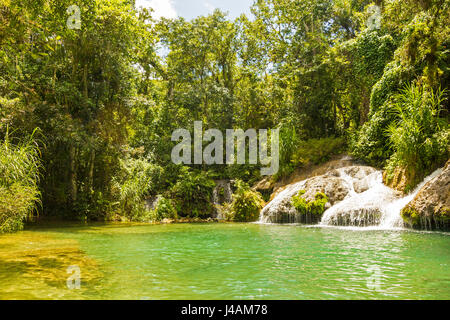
{"points": [[364, 209], [392, 216], [280, 209], [367, 201], [222, 194]]}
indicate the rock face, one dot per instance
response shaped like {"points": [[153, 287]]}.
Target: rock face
{"points": [[430, 209], [336, 184], [270, 189]]}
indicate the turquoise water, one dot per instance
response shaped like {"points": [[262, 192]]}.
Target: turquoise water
{"points": [[224, 261]]}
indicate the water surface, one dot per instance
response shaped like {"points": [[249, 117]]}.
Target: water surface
{"points": [[224, 261]]}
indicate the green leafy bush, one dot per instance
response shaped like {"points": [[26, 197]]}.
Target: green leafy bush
{"points": [[316, 151], [193, 194], [247, 204], [315, 207], [164, 210], [289, 140], [394, 77], [371, 142], [132, 185]]}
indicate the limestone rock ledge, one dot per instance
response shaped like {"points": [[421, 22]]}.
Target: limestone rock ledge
{"points": [[430, 209]]}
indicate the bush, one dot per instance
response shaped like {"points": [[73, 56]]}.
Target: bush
{"points": [[193, 194], [19, 176], [289, 140], [315, 207], [16, 203], [371, 143], [164, 210], [395, 75], [247, 204], [317, 151], [132, 185]]}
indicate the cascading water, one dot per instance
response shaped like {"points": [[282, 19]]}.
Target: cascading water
{"points": [[376, 206], [392, 210], [222, 194], [366, 201]]}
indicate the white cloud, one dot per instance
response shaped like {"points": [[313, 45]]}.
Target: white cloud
{"points": [[162, 8]]}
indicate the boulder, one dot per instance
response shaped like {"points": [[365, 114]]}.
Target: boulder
{"points": [[336, 184], [430, 209], [267, 186], [336, 189]]}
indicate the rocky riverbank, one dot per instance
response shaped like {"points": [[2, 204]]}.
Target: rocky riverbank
{"points": [[430, 209]]}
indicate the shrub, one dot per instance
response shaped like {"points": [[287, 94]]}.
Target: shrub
{"points": [[193, 194], [289, 140], [132, 185], [315, 207], [317, 151], [371, 143], [164, 210], [247, 204], [395, 75]]}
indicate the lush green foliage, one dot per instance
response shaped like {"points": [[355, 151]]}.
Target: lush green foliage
{"points": [[132, 185], [315, 207], [193, 194], [420, 62], [164, 210], [295, 152], [419, 138], [107, 98], [19, 177], [247, 203]]}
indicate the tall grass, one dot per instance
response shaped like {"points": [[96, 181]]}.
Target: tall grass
{"points": [[19, 177], [419, 137]]}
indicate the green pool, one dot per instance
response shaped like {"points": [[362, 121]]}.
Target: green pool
{"points": [[223, 261]]}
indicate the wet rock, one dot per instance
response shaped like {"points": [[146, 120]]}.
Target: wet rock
{"points": [[430, 209], [330, 168], [361, 186], [281, 210], [349, 203], [359, 172], [336, 189], [401, 179], [265, 188]]}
